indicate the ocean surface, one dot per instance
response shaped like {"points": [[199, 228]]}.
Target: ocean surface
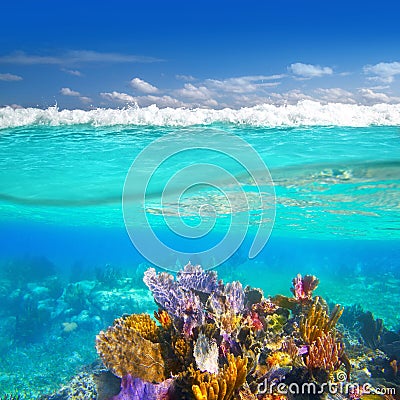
{"points": [[326, 196]]}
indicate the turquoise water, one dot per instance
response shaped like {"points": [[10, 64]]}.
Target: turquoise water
{"points": [[337, 216]]}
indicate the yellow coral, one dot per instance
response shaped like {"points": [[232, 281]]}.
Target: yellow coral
{"points": [[223, 385], [275, 322], [130, 347], [317, 322], [182, 349], [229, 322], [142, 324], [279, 358]]}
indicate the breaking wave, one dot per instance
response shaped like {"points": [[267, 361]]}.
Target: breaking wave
{"points": [[304, 113]]}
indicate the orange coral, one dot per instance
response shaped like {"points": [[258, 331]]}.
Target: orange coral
{"points": [[325, 353], [130, 347], [163, 318]]}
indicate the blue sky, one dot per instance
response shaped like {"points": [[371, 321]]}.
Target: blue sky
{"points": [[215, 54]]}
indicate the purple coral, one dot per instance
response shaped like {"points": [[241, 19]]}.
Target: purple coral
{"points": [[178, 301], [191, 310], [235, 296], [137, 389], [193, 277], [228, 300], [303, 287], [164, 289]]}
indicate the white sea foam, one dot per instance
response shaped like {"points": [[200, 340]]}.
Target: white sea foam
{"points": [[304, 113]]}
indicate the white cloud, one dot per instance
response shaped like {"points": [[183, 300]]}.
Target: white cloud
{"points": [[74, 57], [119, 97], [197, 95], [68, 92], [335, 95], [10, 77], [308, 71], [244, 84], [186, 78], [85, 99], [192, 92], [291, 97], [143, 101], [73, 72], [382, 72], [143, 86], [371, 97], [160, 101], [72, 93]]}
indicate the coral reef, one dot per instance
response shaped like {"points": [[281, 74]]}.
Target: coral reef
{"points": [[218, 340], [210, 340]]}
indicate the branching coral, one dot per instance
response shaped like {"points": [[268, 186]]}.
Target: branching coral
{"points": [[325, 353], [302, 290], [317, 322], [223, 385], [182, 350], [129, 347]]}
